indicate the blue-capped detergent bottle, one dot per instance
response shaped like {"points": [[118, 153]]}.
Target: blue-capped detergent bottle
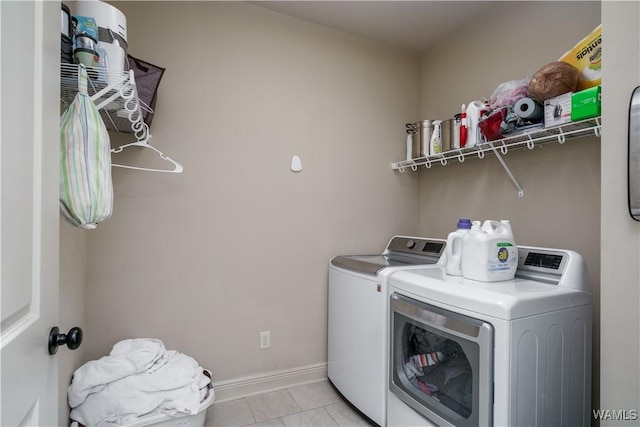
{"points": [[470, 243], [490, 253], [453, 266]]}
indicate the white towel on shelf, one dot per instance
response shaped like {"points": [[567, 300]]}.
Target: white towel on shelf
{"points": [[174, 387]]}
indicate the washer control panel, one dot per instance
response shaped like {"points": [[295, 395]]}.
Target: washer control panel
{"points": [[433, 248]]}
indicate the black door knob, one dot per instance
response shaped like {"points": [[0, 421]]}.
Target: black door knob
{"points": [[72, 339]]}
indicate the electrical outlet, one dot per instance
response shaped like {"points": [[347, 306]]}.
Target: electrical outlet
{"points": [[265, 340]]}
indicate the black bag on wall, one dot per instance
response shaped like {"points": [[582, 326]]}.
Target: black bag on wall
{"points": [[148, 78]]}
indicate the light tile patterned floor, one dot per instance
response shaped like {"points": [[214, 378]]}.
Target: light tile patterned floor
{"points": [[314, 404]]}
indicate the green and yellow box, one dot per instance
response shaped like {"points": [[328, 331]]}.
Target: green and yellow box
{"points": [[586, 104]]}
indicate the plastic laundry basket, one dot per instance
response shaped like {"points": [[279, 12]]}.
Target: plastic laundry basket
{"points": [[196, 420]]}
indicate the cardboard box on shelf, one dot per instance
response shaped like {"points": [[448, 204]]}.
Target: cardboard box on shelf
{"points": [[586, 104], [557, 110]]}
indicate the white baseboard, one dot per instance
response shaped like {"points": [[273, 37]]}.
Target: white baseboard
{"points": [[268, 381]]}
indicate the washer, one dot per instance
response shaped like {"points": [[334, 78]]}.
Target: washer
{"points": [[470, 353], [358, 318]]}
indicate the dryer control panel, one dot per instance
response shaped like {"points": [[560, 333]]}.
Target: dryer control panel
{"points": [[543, 260], [559, 267]]}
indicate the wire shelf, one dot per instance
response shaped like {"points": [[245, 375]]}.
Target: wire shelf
{"points": [[528, 138], [115, 95]]}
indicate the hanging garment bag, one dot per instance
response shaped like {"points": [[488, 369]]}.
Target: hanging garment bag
{"points": [[86, 189]]}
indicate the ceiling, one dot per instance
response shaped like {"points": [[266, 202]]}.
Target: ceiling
{"points": [[413, 25]]}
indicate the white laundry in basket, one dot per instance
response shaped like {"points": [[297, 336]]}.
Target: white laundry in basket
{"points": [[163, 420], [133, 382]]}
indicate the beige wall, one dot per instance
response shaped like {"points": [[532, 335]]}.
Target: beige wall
{"points": [[238, 243], [620, 303], [73, 261], [172, 262], [561, 183]]}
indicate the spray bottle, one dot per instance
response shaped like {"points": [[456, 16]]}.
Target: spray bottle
{"points": [[436, 137]]}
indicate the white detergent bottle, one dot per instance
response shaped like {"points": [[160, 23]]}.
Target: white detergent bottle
{"points": [[490, 253], [453, 267], [469, 249], [475, 110]]}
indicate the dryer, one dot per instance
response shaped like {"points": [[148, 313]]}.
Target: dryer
{"points": [[358, 318], [470, 353]]}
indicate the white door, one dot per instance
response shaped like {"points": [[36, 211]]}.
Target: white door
{"points": [[29, 156]]}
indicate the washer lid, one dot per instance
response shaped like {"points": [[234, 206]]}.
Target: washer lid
{"points": [[509, 300], [402, 251], [370, 264]]}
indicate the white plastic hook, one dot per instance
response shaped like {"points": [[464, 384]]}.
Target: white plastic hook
{"points": [[481, 154], [142, 134], [296, 163], [127, 91], [131, 105], [443, 161], [137, 126], [530, 143], [460, 155], [135, 116], [561, 137], [504, 149], [414, 167]]}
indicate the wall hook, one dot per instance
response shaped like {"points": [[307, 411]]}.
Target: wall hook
{"points": [[296, 164]]}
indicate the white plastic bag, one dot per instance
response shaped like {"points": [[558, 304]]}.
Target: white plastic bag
{"points": [[508, 93], [86, 188]]}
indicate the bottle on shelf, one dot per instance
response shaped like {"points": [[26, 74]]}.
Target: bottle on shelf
{"points": [[463, 126], [475, 110], [435, 147]]}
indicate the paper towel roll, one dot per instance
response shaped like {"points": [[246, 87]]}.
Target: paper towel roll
{"points": [[528, 109]]}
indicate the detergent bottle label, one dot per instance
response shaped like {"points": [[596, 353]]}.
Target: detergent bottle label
{"points": [[504, 258]]}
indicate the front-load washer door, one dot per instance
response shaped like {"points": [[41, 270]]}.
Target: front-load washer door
{"points": [[441, 363]]}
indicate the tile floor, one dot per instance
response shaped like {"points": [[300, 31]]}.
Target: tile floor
{"points": [[314, 404]]}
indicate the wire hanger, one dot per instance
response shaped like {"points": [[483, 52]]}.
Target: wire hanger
{"points": [[141, 130], [177, 166]]}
